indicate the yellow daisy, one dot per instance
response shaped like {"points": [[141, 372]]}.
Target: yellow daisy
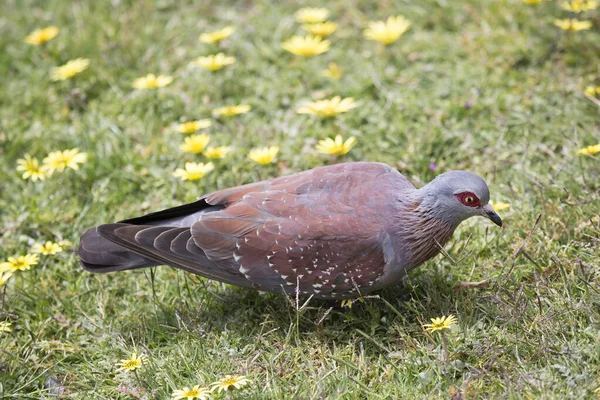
{"points": [[592, 91], [20, 263], [152, 81], [217, 36], [195, 143], [337, 146], [193, 126], [70, 69], [216, 152], [333, 71], [589, 150], [308, 46], [5, 327], [4, 277], [31, 168], [438, 324], [135, 361], [322, 29], [499, 206], [193, 171], [387, 32], [229, 383], [329, 107], [59, 160], [41, 36], [264, 155], [214, 62], [48, 248], [573, 24], [532, 1], [579, 6], [230, 111], [311, 15], [195, 392]]}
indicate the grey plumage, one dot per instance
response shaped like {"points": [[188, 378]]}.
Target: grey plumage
{"points": [[332, 232]]}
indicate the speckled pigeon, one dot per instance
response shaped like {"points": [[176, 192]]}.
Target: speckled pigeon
{"points": [[334, 232]]}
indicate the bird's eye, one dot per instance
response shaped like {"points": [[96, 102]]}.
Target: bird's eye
{"points": [[468, 199]]}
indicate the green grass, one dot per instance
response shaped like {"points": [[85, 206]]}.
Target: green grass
{"points": [[533, 333]]}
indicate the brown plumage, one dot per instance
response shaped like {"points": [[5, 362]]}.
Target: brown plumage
{"points": [[332, 232]]}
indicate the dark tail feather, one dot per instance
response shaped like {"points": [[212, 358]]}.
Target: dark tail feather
{"points": [[98, 254]]}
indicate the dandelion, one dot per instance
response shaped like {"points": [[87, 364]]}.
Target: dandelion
{"points": [[195, 143], [70, 69], [193, 126], [20, 263], [589, 150], [264, 155], [592, 91], [230, 111], [322, 29], [59, 160], [193, 171], [195, 392], [4, 277], [311, 15], [333, 71], [214, 62], [572, 25], [387, 32], [41, 36], [217, 36], [438, 324], [229, 383], [5, 327], [135, 361], [48, 249], [336, 147], [579, 6], [217, 152], [499, 206], [152, 81], [31, 168], [308, 46], [329, 107]]}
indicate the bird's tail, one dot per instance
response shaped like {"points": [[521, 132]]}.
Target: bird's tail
{"points": [[100, 255]]}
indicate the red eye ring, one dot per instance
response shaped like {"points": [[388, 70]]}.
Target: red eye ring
{"points": [[468, 199]]}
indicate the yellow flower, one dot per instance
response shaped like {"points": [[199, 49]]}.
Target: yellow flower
{"points": [[217, 152], [70, 69], [499, 206], [333, 71], [336, 147], [152, 81], [193, 171], [230, 111], [217, 36], [31, 168], [322, 29], [41, 36], [532, 1], [578, 6], [132, 363], [59, 160], [20, 263], [4, 277], [229, 383], [193, 126], [308, 46], [387, 32], [311, 15], [572, 25], [5, 327], [214, 62], [195, 392], [328, 107], [47, 249], [195, 143], [590, 150], [592, 90], [438, 324], [264, 155]]}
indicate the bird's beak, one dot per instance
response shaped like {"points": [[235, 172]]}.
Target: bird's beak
{"points": [[490, 213]]}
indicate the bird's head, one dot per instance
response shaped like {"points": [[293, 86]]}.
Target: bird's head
{"points": [[457, 195]]}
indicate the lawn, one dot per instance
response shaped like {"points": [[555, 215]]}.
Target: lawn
{"points": [[490, 86]]}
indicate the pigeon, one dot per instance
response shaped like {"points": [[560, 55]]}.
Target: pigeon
{"points": [[332, 232]]}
